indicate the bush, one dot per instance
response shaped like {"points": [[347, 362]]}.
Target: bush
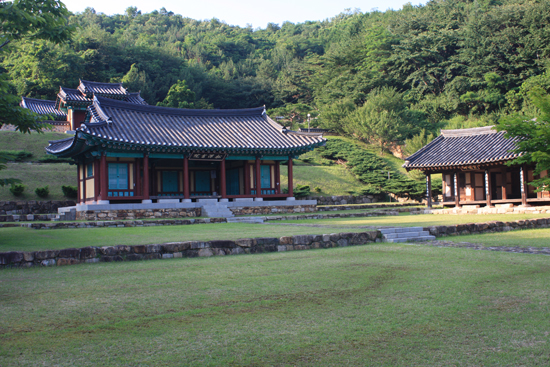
{"points": [[54, 159], [17, 189], [15, 155], [301, 191], [69, 191], [42, 191], [317, 189]]}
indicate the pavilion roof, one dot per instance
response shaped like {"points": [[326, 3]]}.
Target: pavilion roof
{"points": [[245, 131], [463, 147], [42, 107]]}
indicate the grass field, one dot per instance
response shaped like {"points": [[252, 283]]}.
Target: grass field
{"points": [[380, 305], [25, 239], [525, 238], [34, 143], [33, 175], [333, 180]]}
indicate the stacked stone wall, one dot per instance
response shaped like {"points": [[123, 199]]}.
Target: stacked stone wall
{"points": [[73, 256], [487, 227], [130, 214], [33, 207], [283, 209], [345, 199], [500, 209]]}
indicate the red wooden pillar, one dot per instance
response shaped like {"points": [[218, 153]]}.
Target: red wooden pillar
{"points": [[223, 188], [97, 180], [277, 178], [78, 178], [186, 194], [429, 190], [145, 176], [247, 178], [103, 169], [457, 195], [84, 174], [488, 193], [290, 180], [258, 178]]}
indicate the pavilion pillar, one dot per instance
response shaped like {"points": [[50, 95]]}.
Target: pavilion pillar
{"points": [[488, 188], [258, 175], [247, 185], [223, 188], [457, 191], [186, 194], [84, 173], [290, 179], [146, 178], [429, 191], [504, 183], [103, 177], [78, 180], [97, 178], [277, 178], [523, 185]]}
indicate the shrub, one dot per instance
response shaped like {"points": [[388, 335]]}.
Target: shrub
{"points": [[17, 189], [42, 191], [301, 191], [317, 189], [54, 159], [69, 191], [285, 190], [15, 155]]}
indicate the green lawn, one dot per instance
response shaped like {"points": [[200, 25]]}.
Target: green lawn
{"points": [[333, 180], [34, 143], [539, 237], [26, 239], [379, 305], [33, 175]]}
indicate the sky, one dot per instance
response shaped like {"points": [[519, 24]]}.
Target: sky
{"points": [[243, 12]]}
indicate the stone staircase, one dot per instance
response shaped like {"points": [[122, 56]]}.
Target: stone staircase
{"points": [[217, 210], [405, 234], [245, 220]]}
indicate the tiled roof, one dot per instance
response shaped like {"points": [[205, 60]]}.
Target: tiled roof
{"points": [[242, 130], [463, 147], [60, 145], [42, 107], [135, 98], [104, 89], [72, 95]]}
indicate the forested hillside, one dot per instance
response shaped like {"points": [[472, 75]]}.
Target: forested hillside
{"points": [[381, 77]]}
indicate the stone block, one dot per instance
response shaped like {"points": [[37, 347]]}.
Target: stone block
{"points": [[92, 261], [205, 252], [88, 252], [178, 255], [134, 257], [140, 249], [334, 237], [108, 250], [70, 253], [246, 242], [111, 258], [48, 262], [326, 238], [343, 242], [67, 261], [171, 247], [124, 249], [195, 245], [286, 240], [28, 256], [167, 256], [281, 248], [237, 251], [222, 244], [152, 256], [48, 254], [302, 239], [153, 248], [218, 251], [267, 241]]}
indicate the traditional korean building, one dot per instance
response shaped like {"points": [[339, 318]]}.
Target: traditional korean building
{"points": [[473, 165], [132, 153]]}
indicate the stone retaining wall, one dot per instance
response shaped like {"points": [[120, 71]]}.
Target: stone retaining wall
{"points": [[32, 207], [498, 209], [137, 214], [487, 227], [345, 199], [73, 256], [366, 206], [284, 209]]}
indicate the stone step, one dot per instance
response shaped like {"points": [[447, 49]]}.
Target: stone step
{"points": [[245, 220], [406, 234], [401, 230], [409, 239]]}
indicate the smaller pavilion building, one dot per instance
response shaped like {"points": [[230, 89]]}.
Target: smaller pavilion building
{"points": [[474, 170]]}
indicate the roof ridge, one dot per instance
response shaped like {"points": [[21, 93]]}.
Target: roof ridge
{"points": [[109, 102], [469, 131]]}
